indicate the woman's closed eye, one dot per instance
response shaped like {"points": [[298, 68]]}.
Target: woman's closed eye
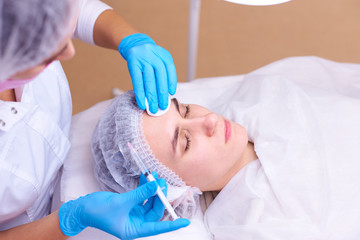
{"points": [[187, 134], [188, 141]]}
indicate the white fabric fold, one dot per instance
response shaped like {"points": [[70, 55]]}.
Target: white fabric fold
{"points": [[304, 120]]}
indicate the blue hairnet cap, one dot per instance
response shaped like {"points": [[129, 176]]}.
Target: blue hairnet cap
{"points": [[114, 166]]}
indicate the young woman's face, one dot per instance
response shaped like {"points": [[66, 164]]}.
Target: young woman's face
{"points": [[203, 148]]}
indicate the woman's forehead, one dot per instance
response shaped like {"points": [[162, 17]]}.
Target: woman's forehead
{"points": [[159, 132]]}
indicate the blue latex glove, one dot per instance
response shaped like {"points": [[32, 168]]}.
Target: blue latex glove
{"points": [[152, 71], [122, 215]]}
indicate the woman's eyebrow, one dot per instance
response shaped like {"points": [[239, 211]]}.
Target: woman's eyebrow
{"points": [[176, 133], [176, 102]]}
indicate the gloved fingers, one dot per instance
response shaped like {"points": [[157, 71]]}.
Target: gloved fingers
{"points": [[170, 69], [136, 75], [162, 184], [154, 206], [161, 83], [150, 88], [156, 211], [148, 205], [140, 194], [150, 202], [142, 180], [155, 174], [154, 228], [172, 78]]}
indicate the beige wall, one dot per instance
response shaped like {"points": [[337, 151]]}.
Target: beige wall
{"points": [[234, 39]]}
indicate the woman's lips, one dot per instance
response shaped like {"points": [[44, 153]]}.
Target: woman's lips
{"points": [[227, 130]]}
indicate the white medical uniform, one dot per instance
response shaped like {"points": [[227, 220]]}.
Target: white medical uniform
{"points": [[34, 136]]}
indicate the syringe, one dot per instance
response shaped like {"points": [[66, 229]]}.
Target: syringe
{"points": [[151, 178]]}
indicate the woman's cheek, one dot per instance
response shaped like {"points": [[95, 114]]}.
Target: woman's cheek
{"points": [[188, 169]]}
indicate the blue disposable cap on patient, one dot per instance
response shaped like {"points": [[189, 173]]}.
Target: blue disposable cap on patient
{"points": [[159, 112]]}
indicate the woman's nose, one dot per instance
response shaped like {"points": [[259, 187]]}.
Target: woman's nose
{"points": [[207, 124]]}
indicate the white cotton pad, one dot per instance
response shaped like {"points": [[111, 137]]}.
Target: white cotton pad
{"points": [[159, 112]]}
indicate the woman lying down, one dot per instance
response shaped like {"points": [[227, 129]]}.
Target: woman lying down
{"points": [[285, 157]]}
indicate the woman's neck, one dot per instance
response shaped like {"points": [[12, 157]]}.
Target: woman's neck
{"points": [[249, 153], [248, 156], [8, 95]]}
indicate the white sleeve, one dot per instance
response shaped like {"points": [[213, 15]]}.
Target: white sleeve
{"points": [[89, 12]]}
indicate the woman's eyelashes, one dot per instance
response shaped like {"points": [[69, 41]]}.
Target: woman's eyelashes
{"points": [[188, 141], [186, 134], [187, 111]]}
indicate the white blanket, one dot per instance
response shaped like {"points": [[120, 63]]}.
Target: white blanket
{"points": [[303, 115]]}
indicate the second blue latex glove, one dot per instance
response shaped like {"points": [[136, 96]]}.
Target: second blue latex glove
{"points": [[152, 71], [122, 215]]}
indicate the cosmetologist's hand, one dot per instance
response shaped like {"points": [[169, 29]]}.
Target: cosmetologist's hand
{"points": [[122, 215], [152, 71]]}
